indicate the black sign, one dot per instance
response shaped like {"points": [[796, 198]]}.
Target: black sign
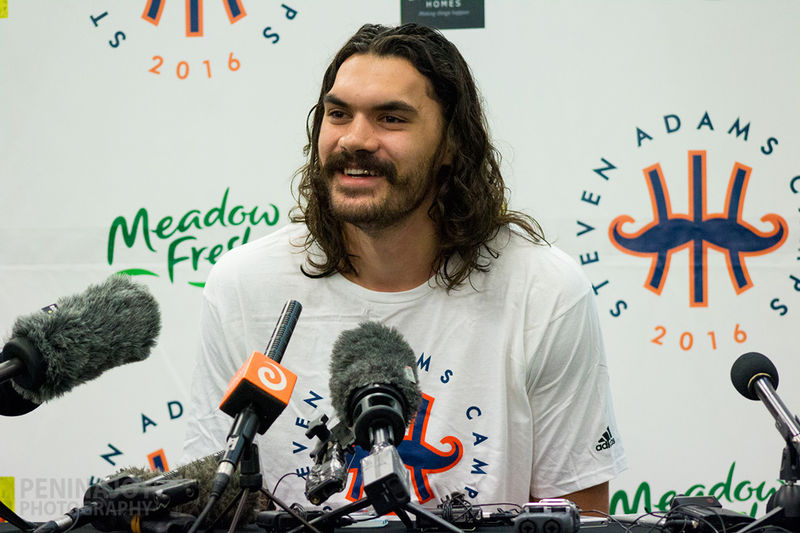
{"points": [[443, 14]]}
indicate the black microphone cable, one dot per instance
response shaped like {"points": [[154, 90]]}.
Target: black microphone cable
{"points": [[14, 519]]}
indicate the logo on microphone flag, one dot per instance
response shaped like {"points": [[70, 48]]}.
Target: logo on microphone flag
{"points": [[272, 376], [262, 373]]}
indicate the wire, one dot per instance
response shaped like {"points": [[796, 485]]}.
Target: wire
{"points": [[517, 506], [658, 524], [209, 504], [678, 512], [629, 527], [287, 474], [12, 518], [238, 514], [225, 511], [289, 509], [767, 527], [457, 509]]}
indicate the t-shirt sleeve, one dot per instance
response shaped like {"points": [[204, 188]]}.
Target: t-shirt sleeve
{"points": [[576, 443]]}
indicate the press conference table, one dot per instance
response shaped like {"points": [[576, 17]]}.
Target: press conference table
{"points": [[397, 527]]}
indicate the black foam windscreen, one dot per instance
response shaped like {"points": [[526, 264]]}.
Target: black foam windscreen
{"points": [[283, 330], [110, 324], [748, 368], [13, 403], [369, 354]]}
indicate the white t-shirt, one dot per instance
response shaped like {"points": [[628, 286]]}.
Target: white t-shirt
{"points": [[516, 398]]}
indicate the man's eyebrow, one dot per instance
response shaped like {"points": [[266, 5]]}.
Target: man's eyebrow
{"points": [[333, 99], [397, 105], [392, 105]]}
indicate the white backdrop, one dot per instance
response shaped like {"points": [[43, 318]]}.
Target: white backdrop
{"points": [[163, 124]]}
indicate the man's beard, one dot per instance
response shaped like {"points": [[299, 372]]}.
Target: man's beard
{"points": [[404, 195]]}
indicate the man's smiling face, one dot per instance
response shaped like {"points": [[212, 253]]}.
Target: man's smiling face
{"points": [[380, 133]]}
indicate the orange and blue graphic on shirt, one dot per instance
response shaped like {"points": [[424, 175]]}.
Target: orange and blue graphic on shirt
{"points": [[698, 231], [419, 456], [194, 14]]}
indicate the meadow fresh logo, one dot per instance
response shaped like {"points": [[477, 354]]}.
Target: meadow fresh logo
{"points": [[730, 490], [177, 238]]}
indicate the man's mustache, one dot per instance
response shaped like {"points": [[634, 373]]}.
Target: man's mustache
{"points": [[338, 161]]}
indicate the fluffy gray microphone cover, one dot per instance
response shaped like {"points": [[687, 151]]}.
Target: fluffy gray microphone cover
{"points": [[109, 324], [372, 353], [203, 471]]}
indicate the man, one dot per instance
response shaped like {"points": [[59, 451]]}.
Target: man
{"points": [[402, 219]]}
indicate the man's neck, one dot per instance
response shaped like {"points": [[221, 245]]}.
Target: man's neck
{"points": [[393, 259]]}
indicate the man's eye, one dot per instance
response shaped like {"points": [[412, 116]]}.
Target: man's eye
{"points": [[392, 119]]}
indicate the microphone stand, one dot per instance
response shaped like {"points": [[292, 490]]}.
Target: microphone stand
{"points": [[386, 485], [250, 480], [400, 506], [783, 507]]}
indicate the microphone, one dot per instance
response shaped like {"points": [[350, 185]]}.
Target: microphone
{"points": [[203, 471], [196, 475], [76, 340], [13, 403], [283, 330], [756, 378], [373, 386], [373, 383], [258, 393], [192, 469]]}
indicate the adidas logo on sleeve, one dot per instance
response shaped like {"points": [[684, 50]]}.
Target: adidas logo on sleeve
{"points": [[606, 441]]}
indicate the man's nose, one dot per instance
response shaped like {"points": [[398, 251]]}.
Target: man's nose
{"points": [[359, 136]]}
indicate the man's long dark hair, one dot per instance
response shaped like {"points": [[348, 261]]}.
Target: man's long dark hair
{"points": [[469, 207]]}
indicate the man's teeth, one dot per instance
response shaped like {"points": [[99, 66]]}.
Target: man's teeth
{"points": [[358, 172]]}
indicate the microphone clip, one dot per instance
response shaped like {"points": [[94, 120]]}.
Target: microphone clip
{"points": [[790, 463], [328, 475], [115, 501]]}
